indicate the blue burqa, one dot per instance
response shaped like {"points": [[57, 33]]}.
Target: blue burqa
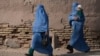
{"points": [[77, 40], [40, 25]]}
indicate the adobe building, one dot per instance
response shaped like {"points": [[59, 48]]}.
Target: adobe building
{"points": [[16, 17]]}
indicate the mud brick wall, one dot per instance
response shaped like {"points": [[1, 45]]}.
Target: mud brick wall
{"points": [[21, 33], [16, 17], [63, 35]]}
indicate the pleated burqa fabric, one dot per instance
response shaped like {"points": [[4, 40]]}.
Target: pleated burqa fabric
{"points": [[77, 40], [40, 26]]}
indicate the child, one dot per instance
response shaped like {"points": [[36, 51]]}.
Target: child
{"points": [[79, 11]]}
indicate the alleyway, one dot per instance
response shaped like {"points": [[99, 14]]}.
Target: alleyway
{"points": [[57, 52]]}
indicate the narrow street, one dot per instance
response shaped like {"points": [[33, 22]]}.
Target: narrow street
{"points": [[57, 52]]}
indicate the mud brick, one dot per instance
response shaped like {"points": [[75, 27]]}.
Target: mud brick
{"points": [[8, 29], [29, 25], [85, 30], [2, 34], [11, 34], [59, 30], [55, 31], [68, 27], [20, 37], [0, 25], [21, 41], [1, 41], [5, 32], [96, 46], [67, 23], [67, 37], [91, 47], [58, 33], [26, 28], [94, 36], [20, 26], [98, 34], [30, 33], [19, 29], [93, 33], [68, 30], [88, 37], [24, 39], [51, 29], [69, 33], [5, 24], [17, 35], [11, 28], [88, 34], [64, 33], [26, 45], [60, 39], [63, 42], [21, 33], [27, 38], [1, 30], [25, 35], [27, 42], [89, 30]]}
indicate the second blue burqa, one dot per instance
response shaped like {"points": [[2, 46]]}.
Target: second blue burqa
{"points": [[40, 25], [77, 40]]}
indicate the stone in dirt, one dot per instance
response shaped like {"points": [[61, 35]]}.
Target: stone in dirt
{"points": [[12, 43]]}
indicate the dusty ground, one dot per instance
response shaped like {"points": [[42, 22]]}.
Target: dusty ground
{"points": [[57, 52]]}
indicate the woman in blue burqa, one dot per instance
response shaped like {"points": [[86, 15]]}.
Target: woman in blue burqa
{"points": [[40, 29], [76, 21]]}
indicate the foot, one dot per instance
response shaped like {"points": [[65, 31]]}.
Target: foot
{"points": [[51, 55], [27, 54], [69, 52], [70, 48], [87, 51], [30, 53]]}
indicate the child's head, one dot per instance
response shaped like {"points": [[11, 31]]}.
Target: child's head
{"points": [[79, 7]]}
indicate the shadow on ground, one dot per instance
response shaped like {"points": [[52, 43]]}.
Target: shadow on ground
{"points": [[91, 53]]}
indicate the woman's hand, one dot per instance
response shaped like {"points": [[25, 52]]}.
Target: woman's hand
{"points": [[76, 18]]}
